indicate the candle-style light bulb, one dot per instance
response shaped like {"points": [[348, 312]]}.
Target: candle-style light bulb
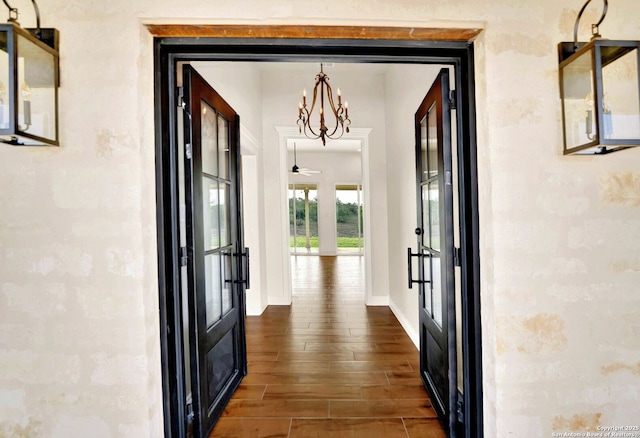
{"points": [[25, 90], [588, 100], [606, 118], [339, 97]]}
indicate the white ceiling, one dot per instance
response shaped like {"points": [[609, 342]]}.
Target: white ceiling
{"points": [[310, 69], [339, 145]]}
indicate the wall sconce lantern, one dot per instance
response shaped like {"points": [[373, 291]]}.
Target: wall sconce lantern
{"points": [[600, 92], [28, 83]]}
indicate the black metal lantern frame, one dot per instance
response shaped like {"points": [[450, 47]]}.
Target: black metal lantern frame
{"points": [[29, 80], [600, 93]]}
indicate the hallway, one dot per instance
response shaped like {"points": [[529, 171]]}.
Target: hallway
{"points": [[328, 366]]}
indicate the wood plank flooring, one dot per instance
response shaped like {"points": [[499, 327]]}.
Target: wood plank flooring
{"points": [[328, 366]]}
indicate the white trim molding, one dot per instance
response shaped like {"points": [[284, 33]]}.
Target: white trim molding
{"points": [[377, 301], [413, 334], [362, 134]]}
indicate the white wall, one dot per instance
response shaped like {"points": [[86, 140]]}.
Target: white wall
{"points": [[336, 168], [240, 85], [367, 110], [256, 295], [405, 88]]}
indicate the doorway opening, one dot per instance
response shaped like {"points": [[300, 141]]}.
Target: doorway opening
{"points": [[303, 218], [230, 43], [323, 167], [339, 161], [349, 219]]}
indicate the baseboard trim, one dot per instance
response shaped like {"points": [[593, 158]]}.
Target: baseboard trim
{"points": [[377, 301], [413, 335], [255, 310], [278, 301]]}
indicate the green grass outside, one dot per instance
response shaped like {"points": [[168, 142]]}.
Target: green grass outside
{"points": [[343, 242], [348, 242], [301, 242]]}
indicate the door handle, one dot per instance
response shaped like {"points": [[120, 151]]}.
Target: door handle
{"points": [[229, 254], [245, 278], [410, 268], [410, 255]]}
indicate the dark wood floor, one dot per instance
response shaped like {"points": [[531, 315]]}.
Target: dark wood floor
{"points": [[328, 366]]}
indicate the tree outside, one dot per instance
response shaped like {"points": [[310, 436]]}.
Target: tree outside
{"points": [[297, 225], [349, 217]]}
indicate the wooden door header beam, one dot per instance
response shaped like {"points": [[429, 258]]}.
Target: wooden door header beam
{"points": [[313, 32]]}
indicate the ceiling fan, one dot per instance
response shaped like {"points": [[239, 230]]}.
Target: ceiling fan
{"points": [[295, 170]]}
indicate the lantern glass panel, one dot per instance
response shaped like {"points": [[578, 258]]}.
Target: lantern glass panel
{"points": [[4, 81], [36, 90], [621, 103], [579, 116]]}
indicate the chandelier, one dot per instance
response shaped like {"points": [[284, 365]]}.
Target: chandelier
{"points": [[341, 113]]}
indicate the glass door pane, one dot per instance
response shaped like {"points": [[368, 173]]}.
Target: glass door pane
{"points": [[436, 289], [432, 140], [424, 157], [349, 219], [227, 282], [209, 138], [225, 214], [213, 288], [427, 270], [210, 213], [434, 216], [303, 218], [223, 147]]}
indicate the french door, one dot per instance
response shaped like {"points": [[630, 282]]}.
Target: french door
{"points": [[215, 43], [216, 262], [435, 255]]}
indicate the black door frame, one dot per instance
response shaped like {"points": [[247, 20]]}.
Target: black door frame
{"points": [[168, 51]]}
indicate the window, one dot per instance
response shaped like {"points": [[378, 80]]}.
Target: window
{"points": [[349, 219], [303, 218]]}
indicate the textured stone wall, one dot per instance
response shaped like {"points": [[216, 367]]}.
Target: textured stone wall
{"points": [[79, 349]]}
